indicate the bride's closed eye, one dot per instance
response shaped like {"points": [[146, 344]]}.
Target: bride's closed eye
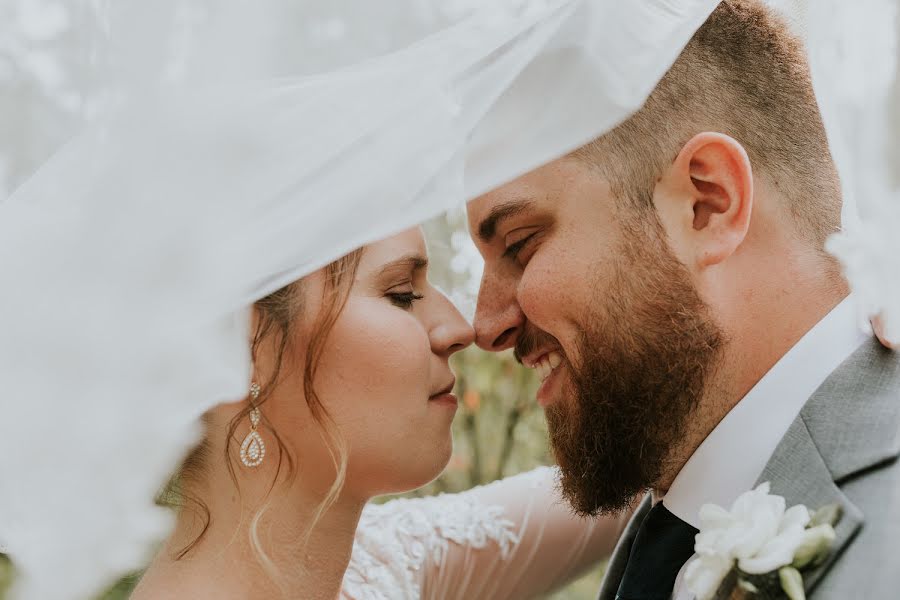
{"points": [[404, 299], [398, 280]]}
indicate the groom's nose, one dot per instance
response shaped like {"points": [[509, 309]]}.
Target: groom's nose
{"points": [[498, 318]]}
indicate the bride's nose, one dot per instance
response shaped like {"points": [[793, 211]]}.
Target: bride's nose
{"points": [[450, 331]]}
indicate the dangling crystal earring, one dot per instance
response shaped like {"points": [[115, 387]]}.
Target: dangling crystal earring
{"points": [[253, 449]]}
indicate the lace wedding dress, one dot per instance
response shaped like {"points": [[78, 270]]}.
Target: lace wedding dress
{"points": [[514, 538]]}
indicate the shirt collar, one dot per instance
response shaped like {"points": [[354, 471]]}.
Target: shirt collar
{"points": [[734, 454]]}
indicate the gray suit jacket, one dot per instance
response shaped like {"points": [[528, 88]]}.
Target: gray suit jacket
{"points": [[843, 448]]}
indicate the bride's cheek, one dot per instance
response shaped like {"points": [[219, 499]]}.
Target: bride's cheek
{"points": [[383, 355], [401, 355], [379, 392]]}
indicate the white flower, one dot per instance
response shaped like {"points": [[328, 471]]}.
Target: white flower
{"points": [[757, 532], [776, 553], [705, 573]]}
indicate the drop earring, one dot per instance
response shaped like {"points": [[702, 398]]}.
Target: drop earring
{"points": [[253, 449]]}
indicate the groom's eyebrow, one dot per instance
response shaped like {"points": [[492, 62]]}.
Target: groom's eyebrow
{"points": [[488, 227]]}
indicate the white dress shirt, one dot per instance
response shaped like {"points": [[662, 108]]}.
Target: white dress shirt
{"points": [[734, 454]]}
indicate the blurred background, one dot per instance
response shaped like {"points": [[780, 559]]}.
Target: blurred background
{"points": [[61, 64]]}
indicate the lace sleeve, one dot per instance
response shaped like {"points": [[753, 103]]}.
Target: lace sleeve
{"points": [[481, 543]]}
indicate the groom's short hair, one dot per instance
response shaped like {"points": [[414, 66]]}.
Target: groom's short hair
{"points": [[743, 74]]}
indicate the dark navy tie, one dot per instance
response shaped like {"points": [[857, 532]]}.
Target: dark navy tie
{"points": [[661, 547]]}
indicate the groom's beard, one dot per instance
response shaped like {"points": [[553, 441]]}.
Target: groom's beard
{"points": [[644, 362]]}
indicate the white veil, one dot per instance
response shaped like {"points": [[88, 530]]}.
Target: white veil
{"points": [[855, 59], [127, 262]]}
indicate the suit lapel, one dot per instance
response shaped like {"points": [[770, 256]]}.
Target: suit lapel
{"points": [[811, 485], [619, 559], [849, 425]]}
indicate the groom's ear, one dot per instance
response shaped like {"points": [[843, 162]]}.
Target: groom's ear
{"points": [[705, 199]]}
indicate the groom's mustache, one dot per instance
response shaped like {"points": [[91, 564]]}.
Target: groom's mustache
{"points": [[533, 339]]}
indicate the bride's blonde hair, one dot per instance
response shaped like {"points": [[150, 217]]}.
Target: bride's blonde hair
{"points": [[276, 314]]}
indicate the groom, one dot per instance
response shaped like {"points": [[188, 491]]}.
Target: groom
{"points": [[669, 282]]}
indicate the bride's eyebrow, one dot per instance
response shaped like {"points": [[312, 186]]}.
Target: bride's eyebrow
{"points": [[403, 266]]}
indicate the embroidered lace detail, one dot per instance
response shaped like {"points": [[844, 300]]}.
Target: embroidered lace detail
{"points": [[396, 540]]}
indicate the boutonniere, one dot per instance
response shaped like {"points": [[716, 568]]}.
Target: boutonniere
{"points": [[759, 549]]}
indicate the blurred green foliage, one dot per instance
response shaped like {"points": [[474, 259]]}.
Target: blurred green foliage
{"points": [[6, 574]]}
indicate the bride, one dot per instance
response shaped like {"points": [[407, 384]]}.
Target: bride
{"points": [[352, 398]]}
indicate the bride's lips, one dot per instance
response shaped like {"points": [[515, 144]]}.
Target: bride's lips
{"points": [[445, 396]]}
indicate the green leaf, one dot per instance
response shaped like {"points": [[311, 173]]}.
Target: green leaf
{"points": [[816, 546], [792, 583], [829, 514]]}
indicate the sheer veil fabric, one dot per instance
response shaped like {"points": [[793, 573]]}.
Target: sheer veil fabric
{"points": [[128, 261], [855, 59], [854, 55]]}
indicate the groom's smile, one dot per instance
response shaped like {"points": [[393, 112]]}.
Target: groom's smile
{"points": [[542, 353]]}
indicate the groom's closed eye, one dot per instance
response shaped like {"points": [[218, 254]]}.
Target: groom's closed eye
{"points": [[517, 241]]}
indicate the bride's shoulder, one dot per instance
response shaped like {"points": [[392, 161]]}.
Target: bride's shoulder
{"points": [[474, 517], [428, 525]]}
